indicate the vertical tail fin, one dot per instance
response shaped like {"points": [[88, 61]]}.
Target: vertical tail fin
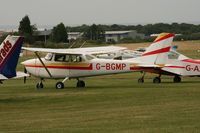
{"points": [[9, 54], [158, 48]]}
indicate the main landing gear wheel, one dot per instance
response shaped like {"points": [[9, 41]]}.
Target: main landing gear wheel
{"points": [[80, 84], [39, 85], [177, 79], [141, 80], [59, 85], [156, 80]]}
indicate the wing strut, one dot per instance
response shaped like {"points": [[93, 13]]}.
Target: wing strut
{"points": [[36, 53]]}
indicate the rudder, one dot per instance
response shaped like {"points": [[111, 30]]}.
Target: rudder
{"points": [[9, 55]]}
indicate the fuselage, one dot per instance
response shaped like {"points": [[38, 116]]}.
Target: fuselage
{"points": [[75, 66], [186, 67], [178, 64]]}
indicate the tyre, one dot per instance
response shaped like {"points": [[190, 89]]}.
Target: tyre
{"points": [[177, 79], [80, 84], [59, 85], [39, 85], [156, 80], [141, 80]]}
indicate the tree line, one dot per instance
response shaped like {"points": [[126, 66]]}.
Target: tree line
{"points": [[148, 29], [97, 32], [187, 31]]}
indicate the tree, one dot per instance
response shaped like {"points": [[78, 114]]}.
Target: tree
{"points": [[59, 33], [95, 32], [26, 29]]}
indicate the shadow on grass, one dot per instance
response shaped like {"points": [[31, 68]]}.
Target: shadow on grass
{"points": [[15, 100]]}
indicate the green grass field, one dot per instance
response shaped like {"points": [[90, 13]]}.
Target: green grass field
{"points": [[108, 104]]}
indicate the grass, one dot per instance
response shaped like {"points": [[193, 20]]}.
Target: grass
{"points": [[106, 105], [115, 103]]}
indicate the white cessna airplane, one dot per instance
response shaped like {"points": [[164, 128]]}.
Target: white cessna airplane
{"points": [[9, 54], [77, 63], [174, 64]]}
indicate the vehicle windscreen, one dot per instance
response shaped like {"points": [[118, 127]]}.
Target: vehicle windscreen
{"points": [[49, 57]]}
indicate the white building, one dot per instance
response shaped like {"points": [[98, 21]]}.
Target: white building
{"points": [[74, 35], [118, 35]]}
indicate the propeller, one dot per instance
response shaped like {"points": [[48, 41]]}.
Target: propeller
{"points": [[25, 71]]}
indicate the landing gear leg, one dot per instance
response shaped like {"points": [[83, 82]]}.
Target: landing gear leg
{"points": [[157, 80], [80, 84], [177, 79], [141, 80]]}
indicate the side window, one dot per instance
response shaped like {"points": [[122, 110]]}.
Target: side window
{"points": [[60, 57], [67, 58], [173, 55], [76, 58]]}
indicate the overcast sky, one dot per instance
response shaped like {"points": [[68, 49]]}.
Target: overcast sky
{"points": [[77, 12]]}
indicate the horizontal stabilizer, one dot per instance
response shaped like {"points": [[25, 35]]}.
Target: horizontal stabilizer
{"points": [[21, 75], [2, 77]]}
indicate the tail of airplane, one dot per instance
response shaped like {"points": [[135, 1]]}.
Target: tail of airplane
{"points": [[10, 49], [156, 52]]}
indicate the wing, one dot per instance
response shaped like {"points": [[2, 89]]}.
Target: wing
{"points": [[89, 50], [100, 50], [47, 50]]}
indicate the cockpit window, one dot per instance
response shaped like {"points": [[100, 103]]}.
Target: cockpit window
{"points": [[60, 57], [173, 55], [49, 56], [68, 58]]}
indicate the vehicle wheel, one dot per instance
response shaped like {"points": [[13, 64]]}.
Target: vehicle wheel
{"points": [[59, 85], [80, 84], [177, 79], [141, 80], [39, 85], [156, 80]]}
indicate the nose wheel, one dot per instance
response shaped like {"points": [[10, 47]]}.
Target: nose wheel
{"points": [[39, 85]]}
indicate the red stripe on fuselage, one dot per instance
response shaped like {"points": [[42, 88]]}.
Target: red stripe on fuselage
{"points": [[192, 61], [162, 50], [175, 66], [141, 68], [62, 67]]}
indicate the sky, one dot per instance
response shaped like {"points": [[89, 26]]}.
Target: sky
{"points": [[78, 12]]}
